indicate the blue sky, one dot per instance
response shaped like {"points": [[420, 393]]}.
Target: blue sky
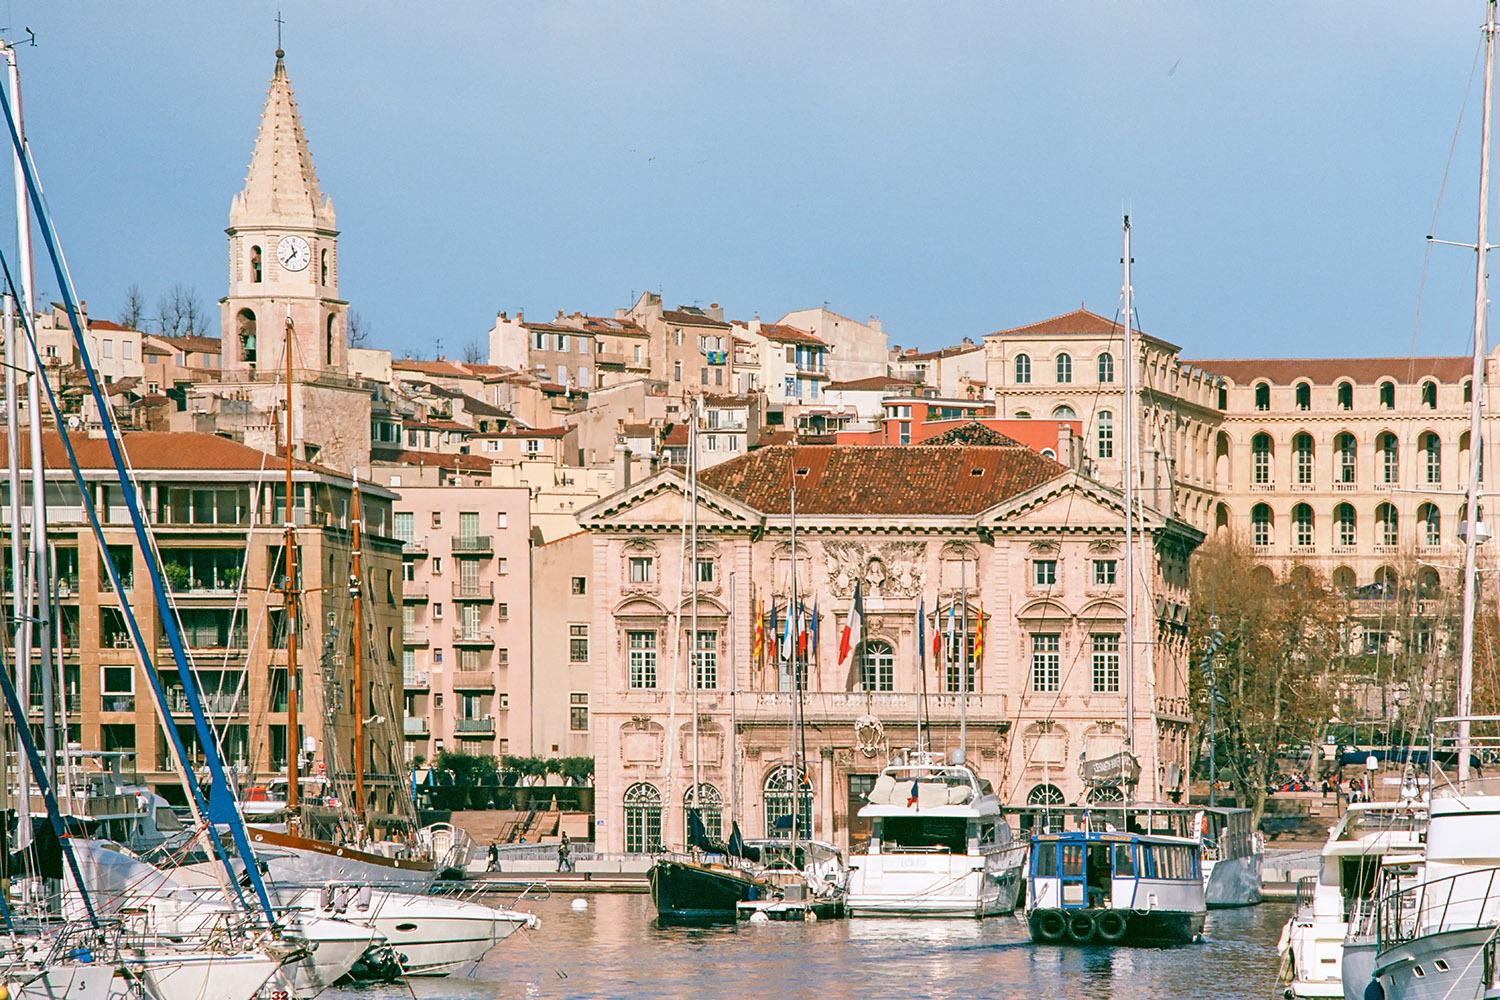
{"points": [[953, 168]]}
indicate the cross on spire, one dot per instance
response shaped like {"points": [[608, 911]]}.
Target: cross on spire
{"points": [[279, 23]]}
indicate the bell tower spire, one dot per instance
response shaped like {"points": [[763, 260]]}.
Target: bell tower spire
{"points": [[283, 252]]}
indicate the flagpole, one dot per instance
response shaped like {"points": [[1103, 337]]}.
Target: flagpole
{"points": [[734, 728], [963, 671], [921, 671], [791, 612]]}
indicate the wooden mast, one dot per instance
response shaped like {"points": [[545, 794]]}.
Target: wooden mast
{"points": [[356, 588], [289, 597]]}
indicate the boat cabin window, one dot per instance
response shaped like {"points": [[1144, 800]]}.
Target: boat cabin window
{"points": [[1044, 862], [1357, 880], [1071, 859], [921, 833], [1124, 861], [987, 837], [166, 820]]}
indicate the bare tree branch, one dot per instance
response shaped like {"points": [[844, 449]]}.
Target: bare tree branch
{"points": [[359, 329], [133, 312], [474, 352], [180, 313]]}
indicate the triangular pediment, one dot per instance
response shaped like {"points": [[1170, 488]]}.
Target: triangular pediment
{"points": [[661, 501], [1070, 502]]}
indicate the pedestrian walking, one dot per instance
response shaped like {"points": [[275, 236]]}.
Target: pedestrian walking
{"points": [[564, 855]]}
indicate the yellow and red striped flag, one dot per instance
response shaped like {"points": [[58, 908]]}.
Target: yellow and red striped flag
{"points": [[979, 634], [760, 630]]}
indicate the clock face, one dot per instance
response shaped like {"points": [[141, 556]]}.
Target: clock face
{"points": [[293, 253]]}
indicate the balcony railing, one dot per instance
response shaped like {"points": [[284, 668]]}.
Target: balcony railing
{"points": [[117, 703], [414, 547], [416, 591], [463, 636], [414, 679], [835, 706], [221, 703], [472, 543], [414, 635], [484, 591], [414, 727], [470, 680], [473, 725]]}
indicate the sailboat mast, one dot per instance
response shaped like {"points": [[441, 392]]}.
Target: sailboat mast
{"points": [[1128, 473], [289, 597], [356, 590], [19, 631], [694, 657], [964, 661], [734, 722], [1476, 394], [792, 627]]}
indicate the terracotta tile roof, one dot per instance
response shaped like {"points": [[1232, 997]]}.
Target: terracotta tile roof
{"points": [[728, 399], [1079, 322], [552, 327], [104, 324], [437, 460], [447, 368], [479, 408], [154, 349], [638, 430], [1327, 371], [975, 434], [159, 452], [203, 345], [907, 479], [783, 334], [618, 327], [676, 436], [438, 425], [689, 316], [874, 382], [527, 432], [946, 352]]}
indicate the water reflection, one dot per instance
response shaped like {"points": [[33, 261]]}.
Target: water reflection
{"points": [[614, 950]]}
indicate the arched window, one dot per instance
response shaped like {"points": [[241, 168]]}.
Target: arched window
{"points": [[1429, 395], [1023, 369], [1429, 584], [1106, 367], [255, 266], [1386, 577], [1105, 794], [1260, 459], [1262, 395], [642, 819], [245, 323], [1468, 390], [1345, 452], [1304, 396], [877, 667], [1346, 395], [779, 802], [1045, 795], [1106, 427], [1064, 412], [323, 257], [1387, 395], [1302, 459], [710, 809], [1343, 524], [1389, 452], [1023, 414], [1386, 522], [1432, 457], [1431, 525], [1064, 368], [1343, 579], [329, 360], [1302, 526], [1261, 524]]}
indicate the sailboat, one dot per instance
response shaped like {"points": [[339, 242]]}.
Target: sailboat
{"points": [[707, 882], [1438, 938]]}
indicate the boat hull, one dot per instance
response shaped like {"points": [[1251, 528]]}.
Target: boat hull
{"points": [[1357, 966], [183, 973], [689, 892], [302, 861], [1463, 975], [966, 890], [1233, 881], [1151, 927]]}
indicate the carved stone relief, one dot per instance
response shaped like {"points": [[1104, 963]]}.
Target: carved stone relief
{"points": [[888, 569]]}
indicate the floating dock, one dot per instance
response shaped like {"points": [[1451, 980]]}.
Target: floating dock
{"points": [[791, 909]]}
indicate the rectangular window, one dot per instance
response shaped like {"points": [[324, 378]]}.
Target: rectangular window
{"points": [[705, 571], [1046, 661], [640, 569], [503, 612], [1106, 663], [580, 585], [642, 646], [578, 712], [1104, 572], [578, 643], [1044, 572], [706, 660], [502, 566], [953, 681], [404, 526]]}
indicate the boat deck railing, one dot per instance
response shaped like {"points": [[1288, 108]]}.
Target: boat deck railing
{"points": [[1463, 901], [1307, 886]]}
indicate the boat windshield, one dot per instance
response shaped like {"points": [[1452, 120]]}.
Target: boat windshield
{"points": [[924, 834], [1367, 821]]}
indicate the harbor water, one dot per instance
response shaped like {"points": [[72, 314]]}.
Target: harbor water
{"points": [[613, 949]]}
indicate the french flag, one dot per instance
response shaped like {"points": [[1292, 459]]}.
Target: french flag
{"points": [[911, 798], [853, 625]]}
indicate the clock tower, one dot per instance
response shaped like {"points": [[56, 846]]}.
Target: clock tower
{"points": [[283, 257]]}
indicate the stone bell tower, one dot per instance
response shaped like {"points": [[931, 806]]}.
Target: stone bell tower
{"points": [[283, 257]]}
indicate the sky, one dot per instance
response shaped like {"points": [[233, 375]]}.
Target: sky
{"points": [[952, 168]]}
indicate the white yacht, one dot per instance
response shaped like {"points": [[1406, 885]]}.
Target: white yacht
{"points": [[939, 845], [1312, 941]]}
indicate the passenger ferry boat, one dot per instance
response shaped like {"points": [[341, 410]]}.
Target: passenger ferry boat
{"points": [[1332, 904], [1115, 888], [939, 845]]}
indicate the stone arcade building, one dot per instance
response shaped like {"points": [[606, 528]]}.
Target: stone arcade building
{"points": [[1041, 550]]}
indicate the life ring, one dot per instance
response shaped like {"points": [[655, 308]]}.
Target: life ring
{"points": [[1081, 926], [1051, 926], [1110, 926]]}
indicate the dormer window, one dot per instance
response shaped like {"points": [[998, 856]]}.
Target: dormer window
{"points": [[1262, 396], [1388, 395]]}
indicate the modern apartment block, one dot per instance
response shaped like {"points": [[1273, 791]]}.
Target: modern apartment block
{"points": [[466, 615], [217, 510]]}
